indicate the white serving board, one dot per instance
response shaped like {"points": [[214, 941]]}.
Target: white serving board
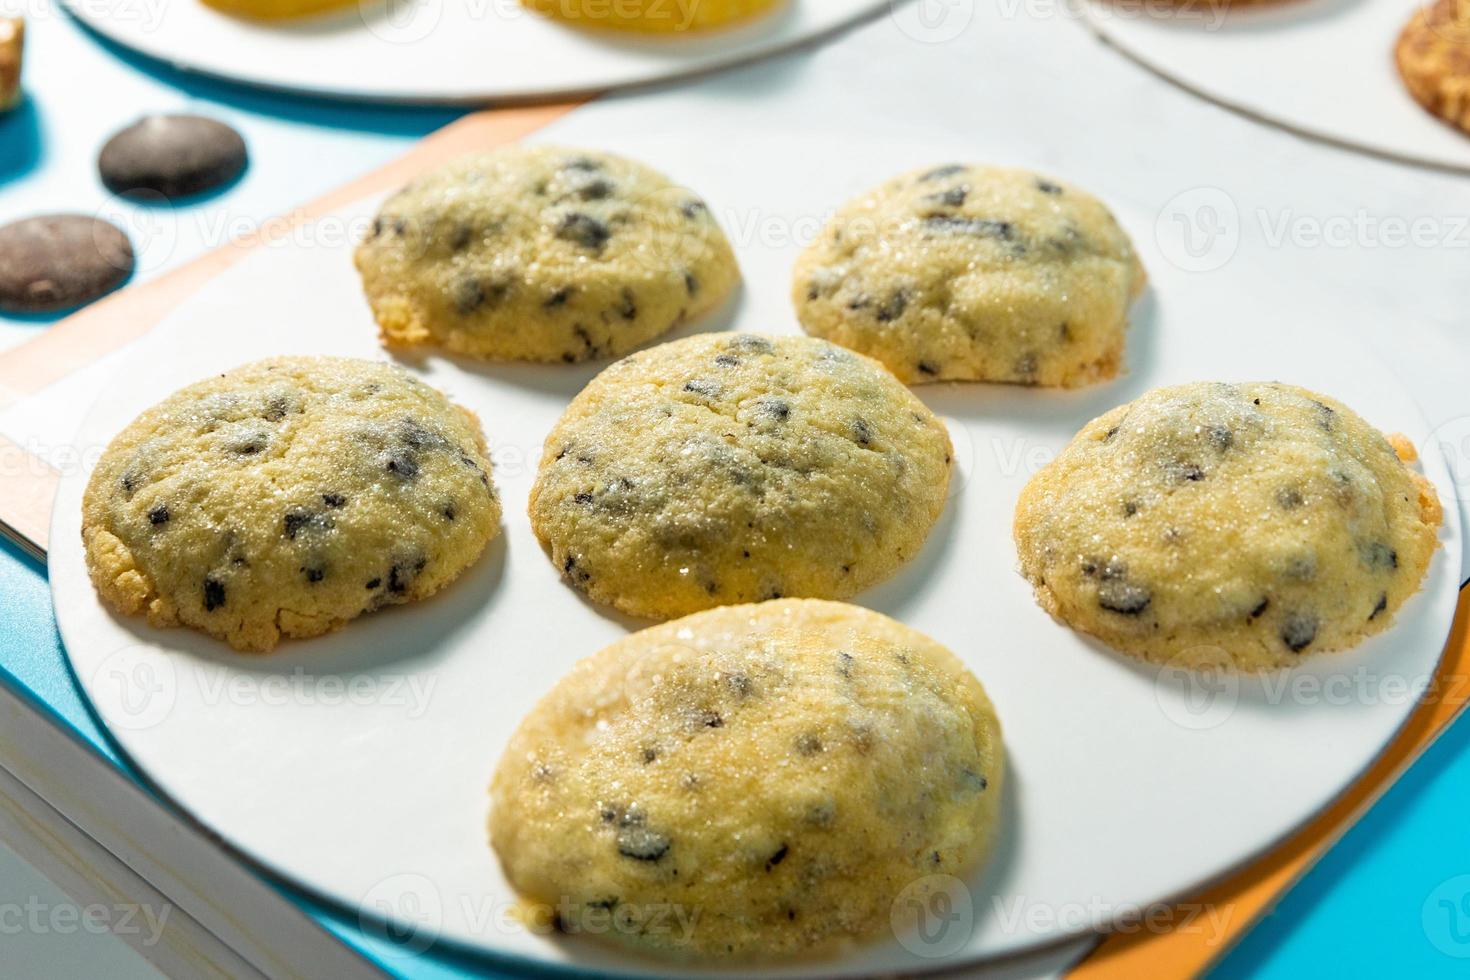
{"points": [[355, 765], [450, 51], [1320, 67]]}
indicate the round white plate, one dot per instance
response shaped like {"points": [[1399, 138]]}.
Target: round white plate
{"points": [[1320, 67], [355, 765], [446, 50]]}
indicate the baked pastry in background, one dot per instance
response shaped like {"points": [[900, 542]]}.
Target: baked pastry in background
{"points": [[541, 253], [727, 468], [286, 497], [1433, 58], [1228, 525], [277, 9], [779, 773], [974, 273], [652, 16], [12, 51]]}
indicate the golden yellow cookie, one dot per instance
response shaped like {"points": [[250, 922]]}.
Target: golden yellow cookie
{"points": [[968, 272], [729, 468], [285, 498], [651, 16], [1433, 56], [756, 780], [1210, 525], [542, 253], [276, 9]]}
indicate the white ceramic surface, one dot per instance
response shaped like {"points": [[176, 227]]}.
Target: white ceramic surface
{"points": [[447, 50], [1323, 67], [356, 764]]}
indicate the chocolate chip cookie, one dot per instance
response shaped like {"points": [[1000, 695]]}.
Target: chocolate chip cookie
{"points": [[1212, 524], [542, 253], [728, 468], [757, 780], [287, 497], [974, 273]]}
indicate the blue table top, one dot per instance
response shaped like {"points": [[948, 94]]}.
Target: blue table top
{"points": [[1392, 898]]}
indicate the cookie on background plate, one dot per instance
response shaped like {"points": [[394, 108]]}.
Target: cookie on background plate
{"points": [[727, 468], [974, 273], [268, 10], [542, 253], [778, 774], [1215, 525], [12, 49], [652, 16], [286, 497], [1433, 58]]}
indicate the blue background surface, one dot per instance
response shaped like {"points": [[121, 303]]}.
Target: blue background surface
{"points": [[1393, 898]]}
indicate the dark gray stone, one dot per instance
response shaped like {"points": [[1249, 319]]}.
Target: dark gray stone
{"points": [[173, 155], [57, 261]]}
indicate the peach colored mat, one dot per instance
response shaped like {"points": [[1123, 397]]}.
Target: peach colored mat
{"points": [[1179, 942]]}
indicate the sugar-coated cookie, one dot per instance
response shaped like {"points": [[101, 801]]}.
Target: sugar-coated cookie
{"points": [[542, 253], [756, 780], [286, 497], [968, 272], [1215, 525], [727, 468]]}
